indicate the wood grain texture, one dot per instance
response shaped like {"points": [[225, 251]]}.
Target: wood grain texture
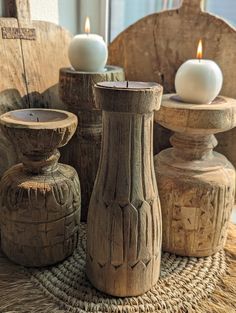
{"points": [[12, 88], [40, 203], [124, 214], [83, 152], [196, 184], [153, 48], [20, 9], [30, 67]]}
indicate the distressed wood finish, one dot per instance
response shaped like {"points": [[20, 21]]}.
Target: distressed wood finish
{"points": [[196, 185], [12, 88], [43, 57], [40, 204], [153, 48], [30, 67], [83, 151], [124, 215]]}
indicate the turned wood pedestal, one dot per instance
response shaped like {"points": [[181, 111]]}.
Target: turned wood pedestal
{"points": [[196, 184], [83, 151], [40, 209], [124, 218]]}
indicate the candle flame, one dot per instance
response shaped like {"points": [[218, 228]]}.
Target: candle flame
{"points": [[87, 25], [199, 50]]}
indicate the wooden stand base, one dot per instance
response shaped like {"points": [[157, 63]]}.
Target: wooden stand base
{"points": [[196, 185], [83, 151], [40, 215]]}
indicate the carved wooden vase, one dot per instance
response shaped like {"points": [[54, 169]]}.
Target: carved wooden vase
{"points": [[40, 209], [124, 218], [83, 151], [196, 184]]}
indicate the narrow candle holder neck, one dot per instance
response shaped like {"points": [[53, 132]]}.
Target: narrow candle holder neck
{"points": [[193, 147], [131, 159], [41, 163]]}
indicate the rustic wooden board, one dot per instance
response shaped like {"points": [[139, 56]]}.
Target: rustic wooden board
{"points": [[12, 87], [42, 57], [29, 66], [153, 48]]}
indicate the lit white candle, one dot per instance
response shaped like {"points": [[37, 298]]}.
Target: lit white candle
{"points": [[88, 52], [198, 81]]}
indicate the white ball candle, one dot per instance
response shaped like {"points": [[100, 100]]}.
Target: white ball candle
{"points": [[88, 52], [198, 81]]}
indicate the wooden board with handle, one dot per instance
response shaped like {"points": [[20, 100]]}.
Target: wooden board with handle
{"points": [[153, 48]]}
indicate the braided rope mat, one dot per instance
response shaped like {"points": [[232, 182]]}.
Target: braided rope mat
{"points": [[184, 281], [204, 285]]}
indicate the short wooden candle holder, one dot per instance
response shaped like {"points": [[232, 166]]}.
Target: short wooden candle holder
{"points": [[196, 184], [83, 151], [40, 208], [124, 218]]}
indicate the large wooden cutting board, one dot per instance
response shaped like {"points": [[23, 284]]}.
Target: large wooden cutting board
{"points": [[153, 48], [31, 54]]}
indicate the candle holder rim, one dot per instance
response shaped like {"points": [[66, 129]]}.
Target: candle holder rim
{"points": [[109, 68], [219, 103], [8, 120], [108, 85], [196, 119]]}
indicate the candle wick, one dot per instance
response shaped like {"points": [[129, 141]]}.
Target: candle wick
{"points": [[37, 119], [127, 84]]}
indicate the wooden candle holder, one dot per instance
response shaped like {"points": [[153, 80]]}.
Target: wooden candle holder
{"points": [[40, 208], [83, 151], [196, 184], [124, 217]]}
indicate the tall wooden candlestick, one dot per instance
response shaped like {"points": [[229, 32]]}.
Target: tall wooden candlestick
{"points": [[196, 184], [124, 218], [83, 151], [40, 203]]}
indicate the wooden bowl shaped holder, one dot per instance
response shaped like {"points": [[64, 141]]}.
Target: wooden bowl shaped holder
{"points": [[40, 205], [83, 151], [195, 183]]}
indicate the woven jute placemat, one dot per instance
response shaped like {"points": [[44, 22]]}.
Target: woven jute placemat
{"points": [[186, 285]]}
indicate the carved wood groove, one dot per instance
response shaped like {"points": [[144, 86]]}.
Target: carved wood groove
{"points": [[124, 213], [83, 152], [40, 203]]}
